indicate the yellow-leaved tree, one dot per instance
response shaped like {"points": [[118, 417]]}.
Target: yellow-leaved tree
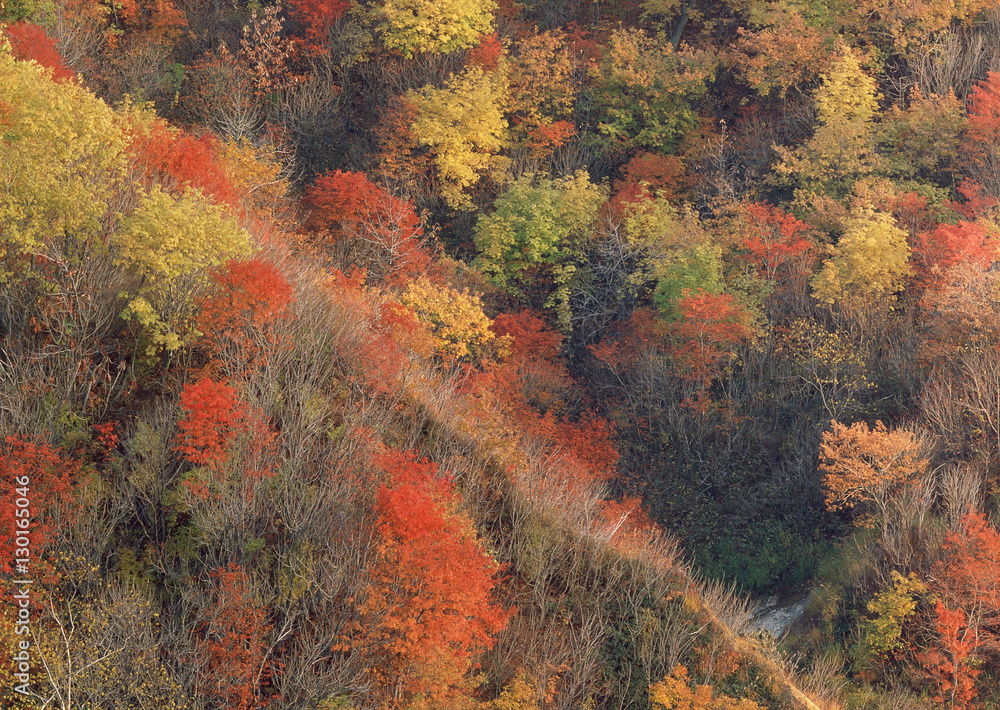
{"points": [[62, 156], [842, 149], [459, 328], [871, 259], [463, 126], [167, 243], [675, 693], [413, 26]]}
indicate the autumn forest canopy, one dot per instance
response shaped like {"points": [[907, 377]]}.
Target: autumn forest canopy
{"points": [[496, 355]]}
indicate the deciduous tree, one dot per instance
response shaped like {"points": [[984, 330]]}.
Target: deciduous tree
{"points": [[381, 232], [430, 609], [645, 90], [463, 126], [842, 149], [63, 154], [870, 260], [867, 467], [415, 26]]}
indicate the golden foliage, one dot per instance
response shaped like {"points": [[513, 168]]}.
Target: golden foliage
{"points": [[842, 149], [863, 466], [458, 326], [870, 260], [675, 693], [166, 239], [62, 155], [464, 128], [414, 26]]}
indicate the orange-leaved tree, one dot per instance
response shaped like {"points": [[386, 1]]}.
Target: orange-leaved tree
{"points": [[969, 576], [867, 467], [211, 414], [234, 669], [967, 612], [430, 609], [935, 253], [705, 337], [948, 663], [30, 42], [383, 231], [240, 317], [980, 148], [675, 693], [177, 160]]}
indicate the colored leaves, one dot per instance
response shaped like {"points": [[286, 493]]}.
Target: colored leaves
{"points": [[415, 26], [458, 326], [947, 663], [63, 154], [536, 222], [645, 91], [867, 466], [675, 693], [463, 127], [709, 328], [317, 17], [382, 230], [168, 237], [842, 148], [431, 600], [176, 161], [211, 415], [892, 608], [44, 478], [937, 252], [232, 645], [870, 260], [31, 42], [240, 317]]}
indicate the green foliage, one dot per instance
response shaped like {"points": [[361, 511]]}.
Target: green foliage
{"points": [[645, 90], [923, 139], [891, 608], [697, 269], [62, 154], [870, 260], [536, 222], [415, 26], [464, 128]]}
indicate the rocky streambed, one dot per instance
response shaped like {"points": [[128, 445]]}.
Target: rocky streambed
{"points": [[776, 615]]}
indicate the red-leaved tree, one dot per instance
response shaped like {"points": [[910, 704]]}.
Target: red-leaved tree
{"points": [[212, 412], [232, 644], [967, 612], [241, 318], [947, 663], [383, 232], [38, 479], [935, 253], [430, 609], [30, 42], [316, 17], [705, 337], [176, 160], [981, 147]]}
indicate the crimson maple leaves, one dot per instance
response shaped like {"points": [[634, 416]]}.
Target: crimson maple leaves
{"points": [[430, 608]]}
